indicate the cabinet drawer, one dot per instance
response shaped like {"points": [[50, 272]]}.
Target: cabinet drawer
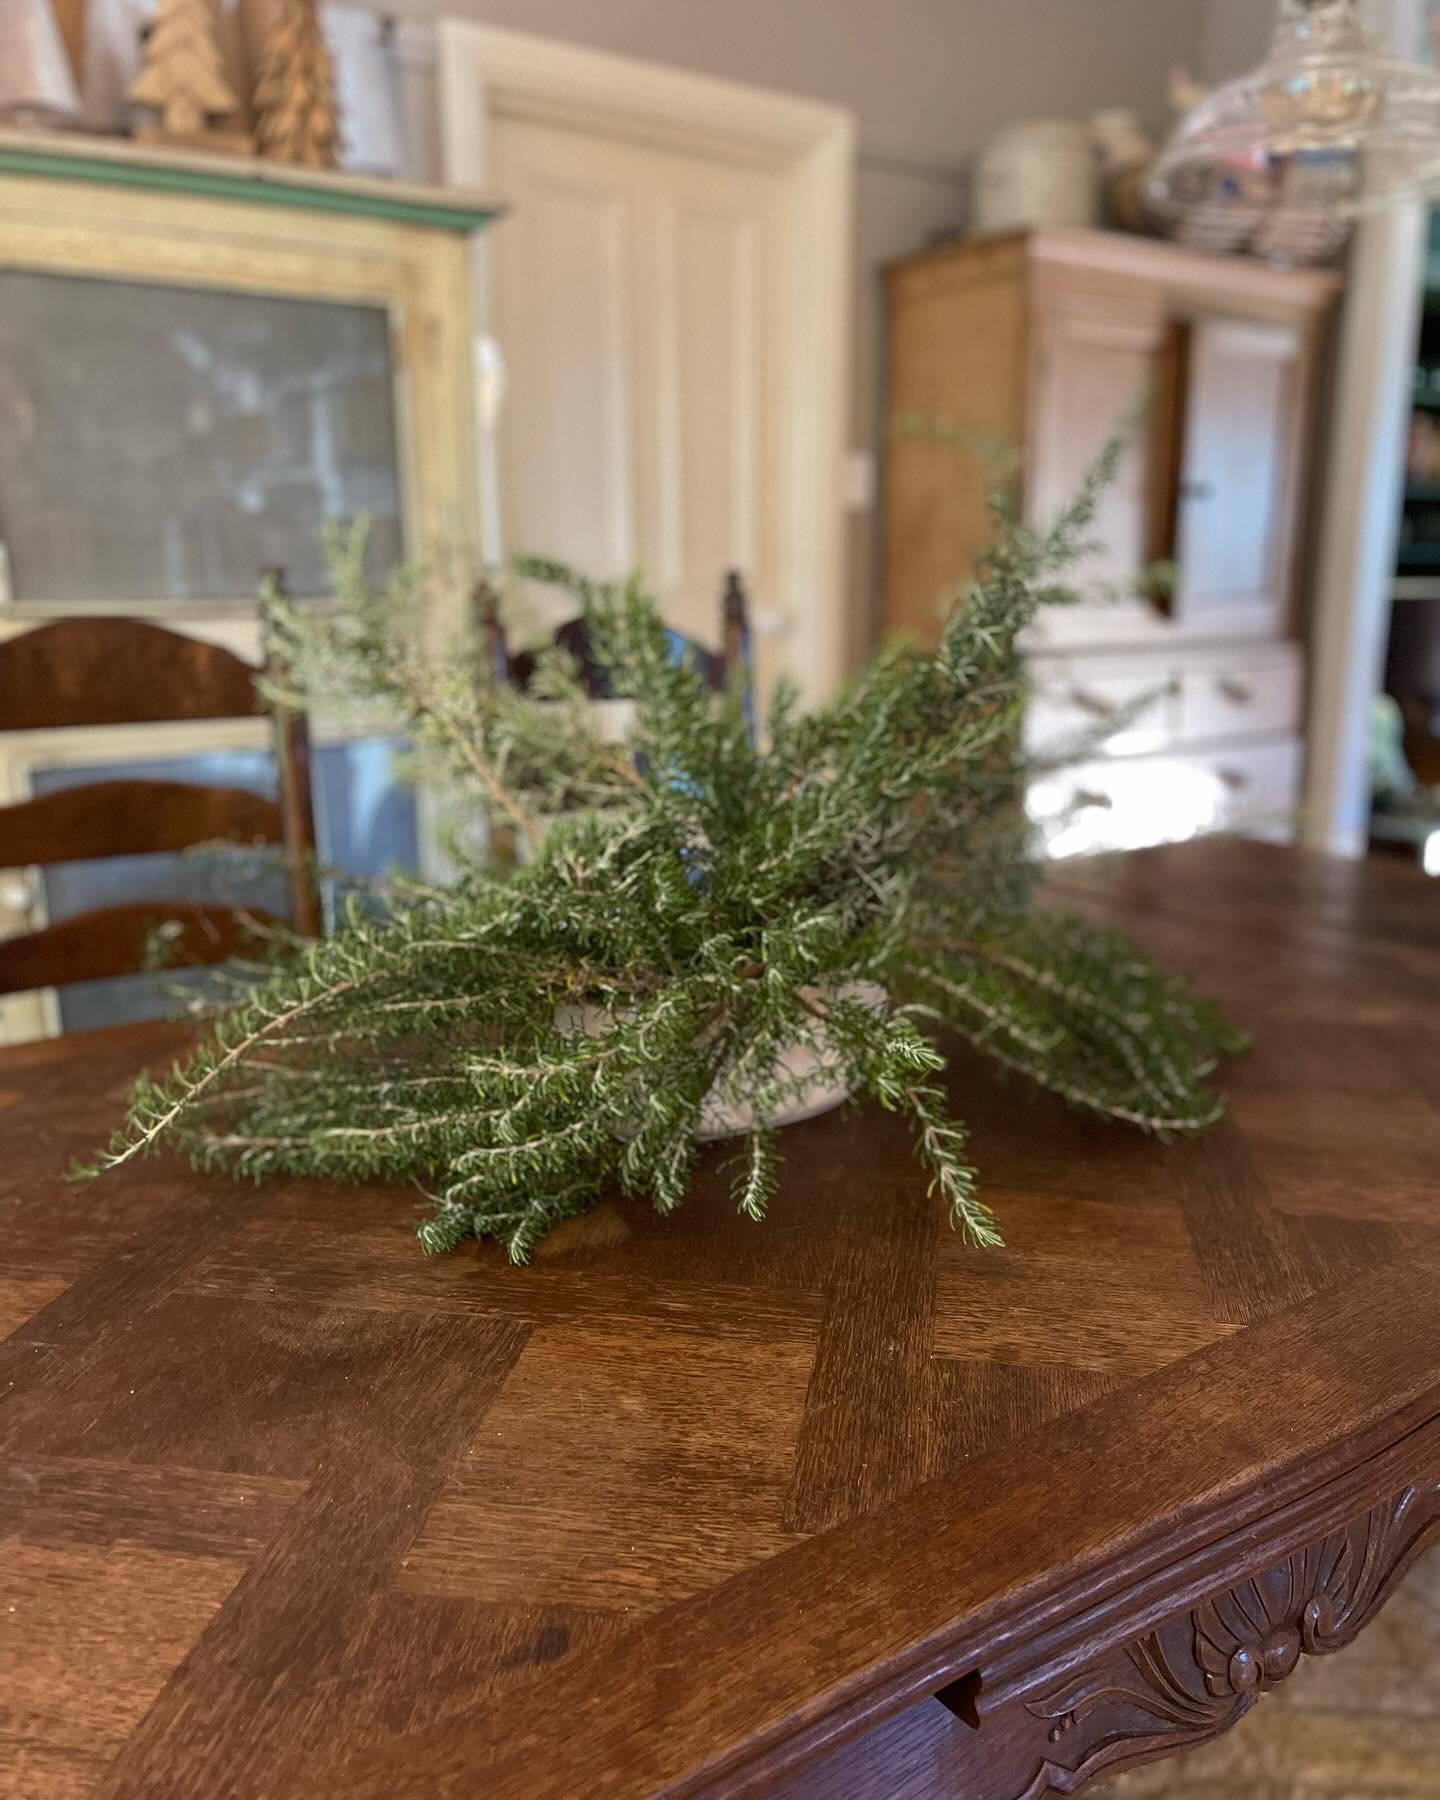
{"points": [[1129, 802], [1239, 699], [1070, 704]]}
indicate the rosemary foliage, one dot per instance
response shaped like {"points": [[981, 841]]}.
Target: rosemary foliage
{"points": [[649, 925]]}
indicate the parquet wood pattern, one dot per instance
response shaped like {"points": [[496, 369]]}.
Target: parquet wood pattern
{"points": [[691, 1506]]}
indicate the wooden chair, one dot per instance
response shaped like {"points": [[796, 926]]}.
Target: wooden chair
{"points": [[714, 667], [80, 672]]}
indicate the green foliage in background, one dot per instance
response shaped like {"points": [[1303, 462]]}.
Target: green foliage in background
{"points": [[647, 925]]}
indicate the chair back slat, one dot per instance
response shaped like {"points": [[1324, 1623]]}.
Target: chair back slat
{"points": [[96, 672], [118, 672], [131, 818], [113, 941]]}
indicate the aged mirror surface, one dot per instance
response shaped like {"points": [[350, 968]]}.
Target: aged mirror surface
{"points": [[163, 443]]}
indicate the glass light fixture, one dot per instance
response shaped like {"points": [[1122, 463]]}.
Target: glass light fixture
{"points": [[1281, 160]]}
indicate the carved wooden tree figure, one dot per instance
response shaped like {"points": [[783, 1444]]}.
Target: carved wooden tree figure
{"points": [[182, 78], [297, 119]]}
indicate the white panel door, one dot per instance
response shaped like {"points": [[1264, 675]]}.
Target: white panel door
{"points": [[638, 299], [1238, 497]]}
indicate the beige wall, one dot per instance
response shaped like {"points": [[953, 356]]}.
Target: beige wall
{"points": [[927, 79], [1235, 34], [1233, 37]]}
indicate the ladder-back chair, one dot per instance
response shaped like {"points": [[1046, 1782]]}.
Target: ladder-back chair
{"points": [[104, 671], [713, 667]]}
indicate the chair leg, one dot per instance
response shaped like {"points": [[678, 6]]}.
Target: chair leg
{"points": [[297, 803], [735, 638]]}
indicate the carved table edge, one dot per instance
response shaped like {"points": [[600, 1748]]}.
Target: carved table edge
{"points": [[1044, 1649], [1117, 1602], [1195, 1673]]}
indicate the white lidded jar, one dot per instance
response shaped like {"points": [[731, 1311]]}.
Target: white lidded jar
{"points": [[1039, 172]]}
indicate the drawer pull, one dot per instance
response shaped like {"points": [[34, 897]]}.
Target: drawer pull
{"points": [[1236, 692], [1093, 704], [1235, 779], [1197, 491], [962, 1698]]}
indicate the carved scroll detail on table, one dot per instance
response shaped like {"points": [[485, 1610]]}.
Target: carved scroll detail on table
{"points": [[1200, 1673]]}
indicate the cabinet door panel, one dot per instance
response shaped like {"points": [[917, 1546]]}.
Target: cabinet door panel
{"points": [[1237, 493], [958, 342], [1101, 357]]}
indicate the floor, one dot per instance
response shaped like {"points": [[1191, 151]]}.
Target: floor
{"points": [[1363, 1725]]}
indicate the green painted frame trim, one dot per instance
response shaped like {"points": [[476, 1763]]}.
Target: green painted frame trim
{"points": [[401, 204]]}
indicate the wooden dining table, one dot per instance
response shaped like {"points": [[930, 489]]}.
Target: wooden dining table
{"points": [[829, 1506]]}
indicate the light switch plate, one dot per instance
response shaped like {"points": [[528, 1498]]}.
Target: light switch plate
{"points": [[860, 481]]}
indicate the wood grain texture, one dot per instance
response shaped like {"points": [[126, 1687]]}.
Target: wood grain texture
{"points": [[118, 672], [958, 350], [115, 940], [131, 818], [695, 1507]]}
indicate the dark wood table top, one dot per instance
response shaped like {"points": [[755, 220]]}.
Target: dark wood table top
{"points": [[696, 1506]]}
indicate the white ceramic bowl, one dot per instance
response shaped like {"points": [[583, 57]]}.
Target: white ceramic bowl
{"points": [[816, 1069]]}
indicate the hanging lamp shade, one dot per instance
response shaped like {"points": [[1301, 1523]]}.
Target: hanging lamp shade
{"points": [[1280, 160]]}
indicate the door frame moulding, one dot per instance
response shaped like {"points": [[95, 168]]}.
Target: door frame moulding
{"points": [[1360, 521], [1363, 494], [484, 70]]}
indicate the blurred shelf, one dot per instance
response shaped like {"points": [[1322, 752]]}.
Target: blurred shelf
{"points": [[1423, 493], [1414, 558], [69, 156], [1415, 587]]}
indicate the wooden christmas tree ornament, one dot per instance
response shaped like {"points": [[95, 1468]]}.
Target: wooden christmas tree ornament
{"points": [[182, 82], [296, 116]]}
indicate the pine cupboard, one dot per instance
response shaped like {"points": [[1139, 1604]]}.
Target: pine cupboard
{"points": [[1040, 345]]}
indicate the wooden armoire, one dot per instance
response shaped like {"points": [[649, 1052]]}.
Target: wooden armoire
{"points": [[1041, 344]]}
